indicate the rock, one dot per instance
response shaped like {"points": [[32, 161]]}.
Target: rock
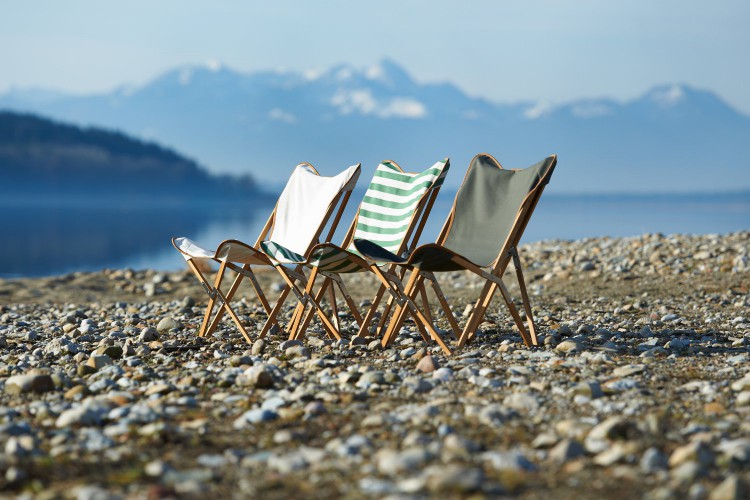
{"points": [[736, 450], [258, 347], [357, 340], [314, 408], [20, 446], [290, 343], [522, 401], [393, 463], [76, 392], [454, 479], [732, 488], [653, 461], [375, 345], [256, 416], [258, 376], [508, 461], [18, 384], [148, 335], [168, 324], [371, 377], [695, 451], [444, 374], [113, 351], [565, 450], [569, 347], [78, 415], [428, 364], [99, 361], [688, 472], [599, 437], [591, 389], [297, 351]]}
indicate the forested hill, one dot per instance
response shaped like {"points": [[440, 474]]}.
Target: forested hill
{"points": [[43, 158]]}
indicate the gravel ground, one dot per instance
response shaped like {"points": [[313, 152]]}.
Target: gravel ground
{"points": [[642, 387]]}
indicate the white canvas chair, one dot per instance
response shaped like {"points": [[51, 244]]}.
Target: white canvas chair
{"points": [[302, 212]]}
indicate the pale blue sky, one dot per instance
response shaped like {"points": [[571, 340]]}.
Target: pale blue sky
{"points": [[506, 51]]}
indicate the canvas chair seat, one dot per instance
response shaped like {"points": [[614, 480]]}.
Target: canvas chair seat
{"points": [[228, 251], [302, 211]]}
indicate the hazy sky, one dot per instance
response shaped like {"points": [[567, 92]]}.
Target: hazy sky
{"points": [[506, 51]]}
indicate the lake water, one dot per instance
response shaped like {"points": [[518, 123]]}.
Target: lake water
{"points": [[50, 240]]}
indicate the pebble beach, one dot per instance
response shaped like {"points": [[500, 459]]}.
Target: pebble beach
{"points": [[641, 388]]}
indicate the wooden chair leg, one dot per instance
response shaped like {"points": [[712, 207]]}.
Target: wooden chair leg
{"points": [[485, 297], [349, 301], [425, 302], [230, 295], [305, 315], [516, 317], [224, 301], [446, 307], [334, 307], [305, 295], [271, 320], [525, 298], [258, 290], [299, 309], [364, 326], [398, 316], [211, 300]]}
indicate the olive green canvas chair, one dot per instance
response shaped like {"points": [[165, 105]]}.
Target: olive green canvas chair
{"points": [[481, 235], [305, 207], [392, 214]]}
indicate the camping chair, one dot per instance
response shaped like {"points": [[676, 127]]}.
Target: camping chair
{"points": [[392, 214], [299, 217], [481, 235]]}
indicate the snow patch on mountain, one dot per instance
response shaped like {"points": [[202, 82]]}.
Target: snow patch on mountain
{"points": [[362, 101], [538, 110], [668, 96]]}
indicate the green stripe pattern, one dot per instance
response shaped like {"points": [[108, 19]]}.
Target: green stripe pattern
{"points": [[385, 215], [280, 254]]}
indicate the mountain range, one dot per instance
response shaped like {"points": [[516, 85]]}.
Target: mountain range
{"points": [[673, 138]]}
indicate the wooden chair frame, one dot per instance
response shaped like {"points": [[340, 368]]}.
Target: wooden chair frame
{"points": [[223, 299], [509, 251]]}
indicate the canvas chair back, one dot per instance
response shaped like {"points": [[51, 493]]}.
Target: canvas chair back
{"points": [[492, 208], [393, 203], [304, 206]]}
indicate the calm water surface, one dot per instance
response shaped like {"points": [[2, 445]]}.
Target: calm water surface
{"points": [[50, 240]]}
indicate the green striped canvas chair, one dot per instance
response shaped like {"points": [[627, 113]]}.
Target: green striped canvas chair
{"points": [[306, 205], [392, 215], [481, 235]]}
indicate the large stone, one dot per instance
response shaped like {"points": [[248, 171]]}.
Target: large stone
{"points": [[565, 450], [732, 488], [454, 479], [99, 361], [428, 364], [569, 346], [168, 324], [258, 376], [258, 347], [522, 401], [696, 451], [148, 335], [393, 463], [18, 384]]}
